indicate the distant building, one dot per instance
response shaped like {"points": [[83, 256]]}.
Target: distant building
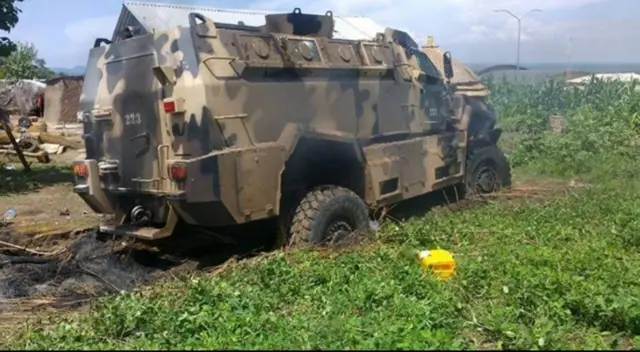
{"points": [[530, 76], [62, 99], [624, 77], [146, 17], [533, 75]]}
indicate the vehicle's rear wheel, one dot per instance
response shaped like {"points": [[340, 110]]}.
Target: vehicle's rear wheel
{"points": [[326, 215], [488, 171]]}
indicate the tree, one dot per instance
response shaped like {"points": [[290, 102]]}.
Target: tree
{"points": [[43, 71], [8, 20], [24, 63]]}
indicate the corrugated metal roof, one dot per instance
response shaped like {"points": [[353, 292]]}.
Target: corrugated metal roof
{"points": [[158, 16]]}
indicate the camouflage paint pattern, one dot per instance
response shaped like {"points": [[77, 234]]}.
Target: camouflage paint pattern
{"points": [[255, 108], [469, 92], [464, 80]]}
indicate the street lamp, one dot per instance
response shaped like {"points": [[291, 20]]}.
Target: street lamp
{"points": [[519, 19]]}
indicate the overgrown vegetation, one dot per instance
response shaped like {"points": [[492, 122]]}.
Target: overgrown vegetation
{"points": [[9, 12], [24, 63], [18, 60], [558, 273], [602, 124]]}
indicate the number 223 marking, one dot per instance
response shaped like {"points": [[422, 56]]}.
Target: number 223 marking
{"points": [[132, 119]]}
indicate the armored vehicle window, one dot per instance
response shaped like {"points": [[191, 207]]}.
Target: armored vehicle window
{"points": [[411, 49]]}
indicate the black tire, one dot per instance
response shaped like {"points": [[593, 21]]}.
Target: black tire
{"points": [[29, 145], [488, 171], [327, 214]]}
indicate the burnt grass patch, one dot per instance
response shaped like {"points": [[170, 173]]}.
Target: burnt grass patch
{"points": [[72, 269], [78, 267], [88, 268]]}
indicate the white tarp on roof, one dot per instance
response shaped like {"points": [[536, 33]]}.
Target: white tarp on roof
{"points": [[625, 77], [159, 16], [21, 94], [28, 82]]}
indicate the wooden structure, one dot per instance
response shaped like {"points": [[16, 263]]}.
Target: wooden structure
{"points": [[62, 99], [556, 123]]}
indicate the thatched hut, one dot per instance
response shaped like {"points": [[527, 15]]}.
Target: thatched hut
{"points": [[21, 95]]}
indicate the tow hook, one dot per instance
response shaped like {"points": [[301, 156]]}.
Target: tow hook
{"points": [[140, 216]]}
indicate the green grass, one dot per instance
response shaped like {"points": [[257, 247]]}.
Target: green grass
{"points": [[560, 274], [16, 181]]}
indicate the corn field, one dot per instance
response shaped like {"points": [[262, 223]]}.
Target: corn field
{"points": [[602, 122]]}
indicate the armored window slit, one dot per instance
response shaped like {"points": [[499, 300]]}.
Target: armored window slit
{"points": [[389, 186]]}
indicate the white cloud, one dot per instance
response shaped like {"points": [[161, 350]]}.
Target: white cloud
{"points": [[87, 30], [469, 28], [451, 21], [476, 10], [80, 37], [473, 30]]}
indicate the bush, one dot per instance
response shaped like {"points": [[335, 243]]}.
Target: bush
{"points": [[602, 121]]}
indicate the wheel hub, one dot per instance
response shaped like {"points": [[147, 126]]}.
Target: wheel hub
{"points": [[487, 180]]}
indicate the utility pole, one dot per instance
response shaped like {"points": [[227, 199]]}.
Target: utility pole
{"points": [[519, 19]]}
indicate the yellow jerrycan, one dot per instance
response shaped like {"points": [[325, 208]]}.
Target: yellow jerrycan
{"points": [[439, 261]]}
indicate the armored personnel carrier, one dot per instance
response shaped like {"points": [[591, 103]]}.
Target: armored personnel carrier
{"points": [[217, 124]]}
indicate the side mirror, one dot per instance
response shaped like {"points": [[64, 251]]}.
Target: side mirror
{"points": [[448, 66]]}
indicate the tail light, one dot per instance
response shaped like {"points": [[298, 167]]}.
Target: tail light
{"points": [[169, 106], [80, 169], [173, 106], [178, 172]]}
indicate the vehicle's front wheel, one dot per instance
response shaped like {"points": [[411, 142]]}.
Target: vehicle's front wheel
{"points": [[488, 171], [327, 214]]}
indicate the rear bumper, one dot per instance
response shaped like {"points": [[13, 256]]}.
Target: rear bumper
{"points": [[226, 187], [116, 204], [111, 225]]}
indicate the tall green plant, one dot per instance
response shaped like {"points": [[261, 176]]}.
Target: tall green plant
{"points": [[602, 122]]}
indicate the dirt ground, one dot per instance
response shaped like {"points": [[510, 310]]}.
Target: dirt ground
{"points": [[52, 259], [43, 199]]}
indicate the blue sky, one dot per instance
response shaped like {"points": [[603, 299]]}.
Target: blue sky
{"points": [[598, 30]]}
